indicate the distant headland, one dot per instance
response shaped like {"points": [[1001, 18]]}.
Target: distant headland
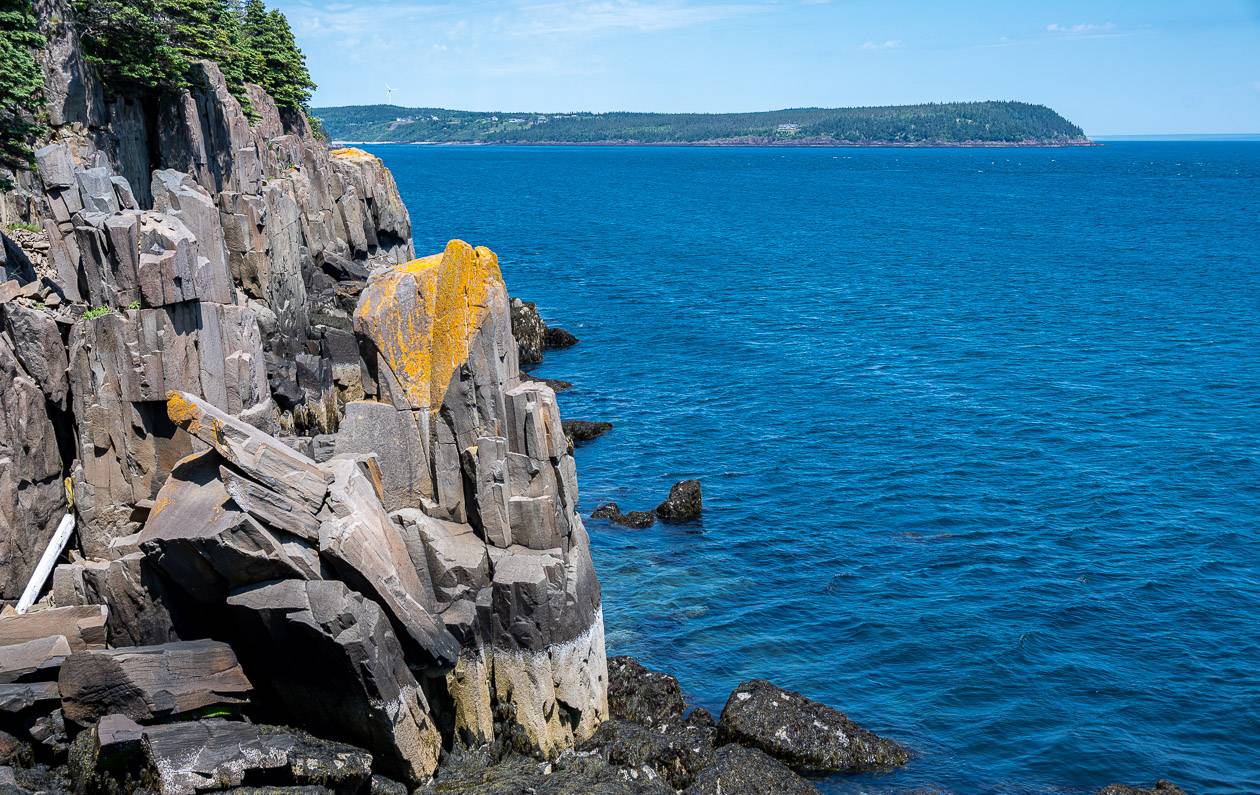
{"points": [[938, 124]]}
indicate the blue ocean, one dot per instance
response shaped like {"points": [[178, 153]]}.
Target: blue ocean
{"points": [[978, 432]]}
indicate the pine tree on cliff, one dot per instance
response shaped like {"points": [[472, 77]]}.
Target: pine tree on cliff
{"points": [[21, 82], [280, 67], [131, 43]]}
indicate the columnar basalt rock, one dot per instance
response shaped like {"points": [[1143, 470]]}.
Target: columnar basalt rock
{"points": [[274, 428]]}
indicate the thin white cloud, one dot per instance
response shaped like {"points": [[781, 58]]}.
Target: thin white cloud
{"points": [[888, 44], [1082, 29], [586, 18]]}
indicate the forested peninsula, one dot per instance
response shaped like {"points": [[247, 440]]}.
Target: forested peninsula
{"points": [[936, 124]]}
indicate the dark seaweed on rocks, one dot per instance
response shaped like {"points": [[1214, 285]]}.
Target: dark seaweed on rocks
{"points": [[806, 735]]}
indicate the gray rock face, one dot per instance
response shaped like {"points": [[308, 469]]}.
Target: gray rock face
{"points": [[32, 497], [480, 773], [345, 639], [737, 770], [145, 683], [803, 734]]}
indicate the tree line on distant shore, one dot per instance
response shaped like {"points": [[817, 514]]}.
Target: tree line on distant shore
{"points": [[957, 122], [145, 47]]}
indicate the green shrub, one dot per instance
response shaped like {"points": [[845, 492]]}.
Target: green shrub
{"points": [[96, 311]]}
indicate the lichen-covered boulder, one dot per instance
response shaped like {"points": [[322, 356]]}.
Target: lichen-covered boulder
{"points": [[804, 734]]}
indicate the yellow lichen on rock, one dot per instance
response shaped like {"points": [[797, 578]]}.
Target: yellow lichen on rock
{"points": [[352, 153], [422, 317]]}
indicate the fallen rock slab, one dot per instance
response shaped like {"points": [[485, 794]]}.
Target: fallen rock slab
{"points": [[804, 734], [19, 697], [147, 683], [34, 659], [83, 626], [683, 504], [199, 756], [352, 682], [737, 770]]}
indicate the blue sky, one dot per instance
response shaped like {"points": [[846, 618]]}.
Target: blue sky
{"points": [[1112, 67]]}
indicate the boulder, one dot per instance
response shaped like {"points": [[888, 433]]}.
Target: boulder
{"points": [[673, 751], [637, 693], [736, 770], [147, 683], [804, 734], [480, 772], [1162, 787], [683, 503], [82, 626], [353, 683], [400, 440]]}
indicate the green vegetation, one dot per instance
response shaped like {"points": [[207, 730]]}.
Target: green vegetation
{"points": [[22, 226], [947, 123], [96, 311], [21, 82], [147, 45]]}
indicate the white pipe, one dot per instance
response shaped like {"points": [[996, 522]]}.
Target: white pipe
{"points": [[46, 563]]}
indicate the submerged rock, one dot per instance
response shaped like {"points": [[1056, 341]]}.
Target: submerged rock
{"points": [[737, 770], [633, 519], [556, 338], [555, 383], [804, 734], [1162, 787], [683, 503], [581, 431]]}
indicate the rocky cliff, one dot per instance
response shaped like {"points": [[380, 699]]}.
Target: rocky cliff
{"points": [[274, 427]]}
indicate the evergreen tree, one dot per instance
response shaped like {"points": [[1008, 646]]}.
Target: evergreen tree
{"points": [[131, 43], [280, 67], [21, 82]]}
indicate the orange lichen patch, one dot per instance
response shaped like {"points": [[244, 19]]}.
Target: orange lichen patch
{"points": [[423, 315], [352, 153], [182, 413]]}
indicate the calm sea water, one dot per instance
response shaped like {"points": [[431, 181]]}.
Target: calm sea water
{"points": [[979, 433]]}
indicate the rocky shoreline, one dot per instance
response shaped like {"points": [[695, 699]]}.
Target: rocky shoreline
{"points": [[279, 509]]}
